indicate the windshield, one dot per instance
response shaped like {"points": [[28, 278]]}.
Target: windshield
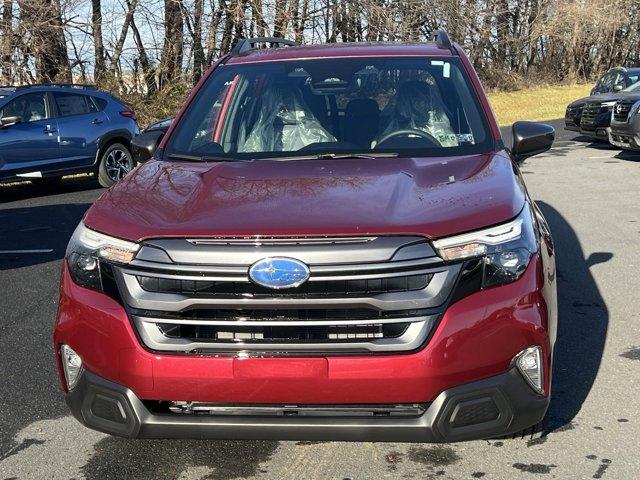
{"points": [[413, 106], [634, 86]]}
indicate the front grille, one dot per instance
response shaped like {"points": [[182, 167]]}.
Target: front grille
{"points": [[590, 114], [370, 295], [365, 286], [282, 334], [621, 111]]}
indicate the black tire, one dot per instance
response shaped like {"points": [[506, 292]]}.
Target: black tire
{"points": [[115, 162]]}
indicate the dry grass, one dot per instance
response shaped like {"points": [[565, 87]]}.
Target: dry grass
{"points": [[540, 103]]}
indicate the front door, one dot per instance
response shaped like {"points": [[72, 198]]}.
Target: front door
{"points": [[29, 148]]}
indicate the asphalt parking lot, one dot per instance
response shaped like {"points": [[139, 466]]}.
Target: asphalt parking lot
{"points": [[590, 196]]}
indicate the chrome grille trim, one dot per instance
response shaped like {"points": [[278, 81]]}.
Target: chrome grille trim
{"points": [[278, 241], [411, 339], [432, 296], [277, 323], [236, 272]]}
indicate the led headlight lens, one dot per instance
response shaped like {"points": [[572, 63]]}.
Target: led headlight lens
{"points": [[506, 249], [87, 248], [72, 366], [608, 104]]}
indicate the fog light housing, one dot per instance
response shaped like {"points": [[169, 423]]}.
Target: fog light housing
{"points": [[529, 364], [72, 366]]}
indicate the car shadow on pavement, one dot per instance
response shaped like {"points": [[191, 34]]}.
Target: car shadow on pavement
{"points": [[38, 234], [171, 459], [628, 156], [583, 319], [27, 190]]}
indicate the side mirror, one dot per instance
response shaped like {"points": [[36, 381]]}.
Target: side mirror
{"points": [[144, 146], [531, 138], [618, 87], [8, 121]]}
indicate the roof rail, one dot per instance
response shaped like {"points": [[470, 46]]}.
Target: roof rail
{"points": [[61, 85], [247, 44], [441, 37]]}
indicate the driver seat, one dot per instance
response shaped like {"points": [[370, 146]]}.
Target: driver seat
{"points": [[36, 111], [361, 122]]}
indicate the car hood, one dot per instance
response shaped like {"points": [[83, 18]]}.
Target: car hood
{"points": [[434, 197], [601, 97], [630, 96]]}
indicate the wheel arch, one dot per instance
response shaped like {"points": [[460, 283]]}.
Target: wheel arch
{"points": [[122, 136]]}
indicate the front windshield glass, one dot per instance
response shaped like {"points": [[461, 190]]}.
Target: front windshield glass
{"points": [[409, 106], [634, 87]]}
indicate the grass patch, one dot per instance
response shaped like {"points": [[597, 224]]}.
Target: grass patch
{"points": [[540, 103]]}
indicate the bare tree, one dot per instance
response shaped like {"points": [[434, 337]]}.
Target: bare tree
{"points": [[173, 50], [98, 45], [6, 44], [42, 21]]}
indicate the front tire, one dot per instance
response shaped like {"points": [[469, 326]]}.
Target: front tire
{"points": [[116, 162]]}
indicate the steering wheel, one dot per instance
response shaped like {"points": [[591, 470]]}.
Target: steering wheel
{"points": [[405, 133]]}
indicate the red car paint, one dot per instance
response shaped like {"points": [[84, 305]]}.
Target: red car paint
{"points": [[434, 197]]}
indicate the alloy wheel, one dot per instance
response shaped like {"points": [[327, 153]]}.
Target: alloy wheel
{"points": [[117, 164]]}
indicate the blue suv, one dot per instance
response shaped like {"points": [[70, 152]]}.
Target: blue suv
{"points": [[47, 131]]}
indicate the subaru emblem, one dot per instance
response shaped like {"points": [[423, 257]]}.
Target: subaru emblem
{"points": [[279, 272]]}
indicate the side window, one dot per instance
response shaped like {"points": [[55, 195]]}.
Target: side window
{"points": [[608, 81], [72, 104], [618, 79], [98, 104], [31, 108]]}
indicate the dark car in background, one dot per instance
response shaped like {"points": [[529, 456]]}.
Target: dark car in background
{"points": [[625, 123], [161, 125], [591, 116], [47, 131]]}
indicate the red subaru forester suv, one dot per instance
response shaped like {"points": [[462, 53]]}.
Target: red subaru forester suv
{"points": [[330, 242]]}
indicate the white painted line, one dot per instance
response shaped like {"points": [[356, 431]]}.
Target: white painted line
{"points": [[40, 250]]}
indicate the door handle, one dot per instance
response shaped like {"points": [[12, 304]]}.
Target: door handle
{"points": [[97, 121]]}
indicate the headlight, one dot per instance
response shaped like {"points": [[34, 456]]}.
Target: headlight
{"points": [[86, 250], [505, 249], [608, 104]]}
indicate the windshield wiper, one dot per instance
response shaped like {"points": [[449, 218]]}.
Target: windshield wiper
{"points": [[366, 156], [338, 156], [180, 157]]}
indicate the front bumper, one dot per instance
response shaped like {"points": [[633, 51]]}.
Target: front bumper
{"points": [[596, 131], [625, 135], [571, 125], [495, 406]]}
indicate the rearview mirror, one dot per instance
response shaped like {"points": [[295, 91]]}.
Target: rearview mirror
{"points": [[618, 87], [8, 121], [144, 146], [531, 138]]}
